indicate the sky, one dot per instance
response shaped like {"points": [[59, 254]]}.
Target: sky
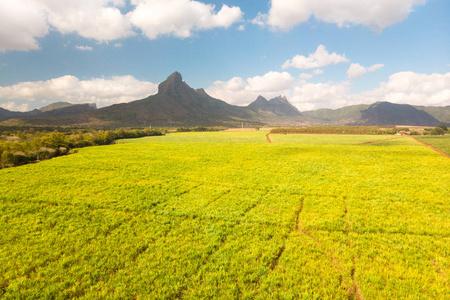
{"points": [[317, 53]]}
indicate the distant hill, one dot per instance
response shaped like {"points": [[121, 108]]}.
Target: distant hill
{"points": [[381, 113], [177, 104], [386, 113], [276, 107], [6, 114], [441, 113], [74, 114], [344, 115], [54, 106]]}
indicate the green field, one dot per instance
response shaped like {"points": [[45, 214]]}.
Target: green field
{"points": [[440, 142], [228, 215]]}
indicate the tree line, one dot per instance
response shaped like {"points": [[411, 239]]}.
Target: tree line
{"points": [[27, 146]]}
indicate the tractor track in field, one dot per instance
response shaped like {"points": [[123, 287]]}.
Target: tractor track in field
{"points": [[216, 199], [140, 250], [276, 259], [354, 292], [34, 269], [302, 231], [374, 142], [429, 146], [182, 290], [294, 225]]}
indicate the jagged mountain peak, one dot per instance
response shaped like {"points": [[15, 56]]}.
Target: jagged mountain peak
{"points": [[279, 99], [261, 99], [202, 92], [173, 84], [278, 106]]}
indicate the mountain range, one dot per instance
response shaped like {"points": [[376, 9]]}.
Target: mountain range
{"points": [[177, 104]]}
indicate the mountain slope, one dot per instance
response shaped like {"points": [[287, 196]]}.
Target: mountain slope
{"points": [[54, 106], [6, 114], [386, 113], [344, 115], [278, 106], [175, 104], [74, 114], [441, 113]]}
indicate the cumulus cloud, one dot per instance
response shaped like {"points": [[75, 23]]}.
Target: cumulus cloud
{"points": [[259, 20], [320, 58], [100, 20], [84, 48], [13, 106], [308, 96], [242, 91], [310, 75], [357, 70], [413, 88], [403, 87], [103, 91], [378, 15], [25, 21], [180, 17]]}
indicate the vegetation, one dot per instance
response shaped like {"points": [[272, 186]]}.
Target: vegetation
{"points": [[198, 129], [335, 130], [228, 215], [22, 147], [435, 131], [439, 142]]}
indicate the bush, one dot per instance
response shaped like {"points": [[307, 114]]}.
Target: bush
{"points": [[437, 131], [30, 146], [20, 158], [443, 127], [7, 159]]}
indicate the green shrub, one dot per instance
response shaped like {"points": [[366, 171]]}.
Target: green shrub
{"points": [[21, 147]]}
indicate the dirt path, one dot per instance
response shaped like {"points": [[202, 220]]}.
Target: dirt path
{"points": [[435, 149], [380, 140], [269, 140]]}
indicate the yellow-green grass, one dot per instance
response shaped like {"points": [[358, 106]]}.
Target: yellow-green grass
{"points": [[441, 142], [228, 215]]}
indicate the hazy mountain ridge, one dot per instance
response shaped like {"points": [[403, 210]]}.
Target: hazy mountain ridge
{"points": [[386, 113], [177, 104], [278, 106], [54, 106]]}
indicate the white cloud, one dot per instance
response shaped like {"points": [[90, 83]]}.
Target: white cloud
{"points": [[307, 96], [403, 87], [22, 24], [93, 19], [357, 70], [103, 91], [25, 21], [259, 20], [379, 14], [180, 17], [310, 75], [413, 88], [242, 91], [13, 106], [84, 48], [320, 58]]}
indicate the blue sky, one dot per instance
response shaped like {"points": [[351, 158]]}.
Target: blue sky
{"points": [[230, 55]]}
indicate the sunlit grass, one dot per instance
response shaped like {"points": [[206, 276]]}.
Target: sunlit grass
{"points": [[228, 215]]}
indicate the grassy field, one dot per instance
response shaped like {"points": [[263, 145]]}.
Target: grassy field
{"points": [[440, 142], [228, 215]]}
